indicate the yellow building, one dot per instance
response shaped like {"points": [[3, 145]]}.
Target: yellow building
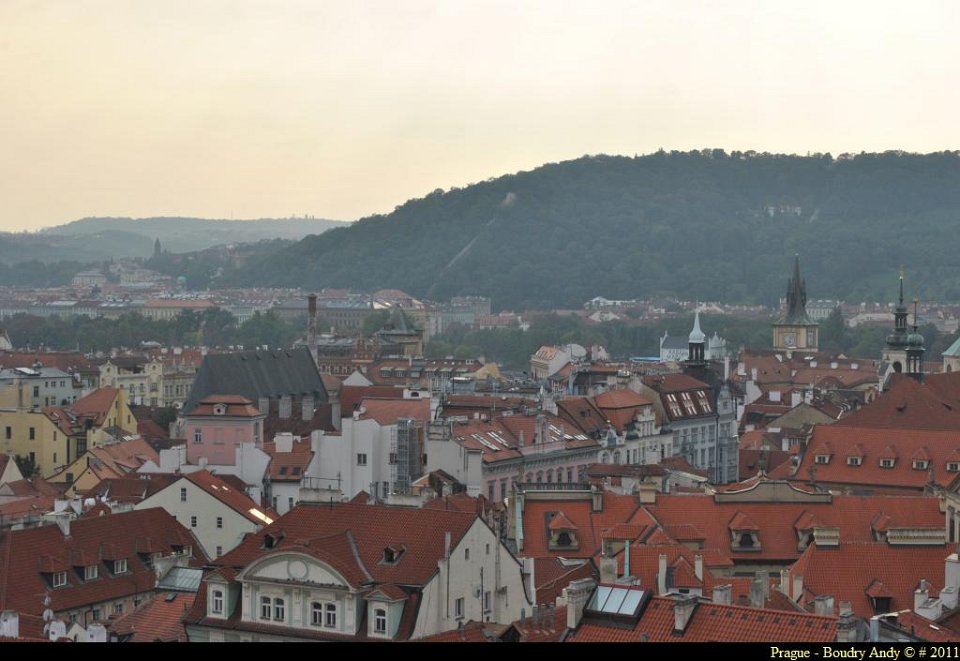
{"points": [[112, 460], [55, 436]]}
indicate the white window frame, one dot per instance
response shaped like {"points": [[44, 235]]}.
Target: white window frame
{"points": [[316, 613], [458, 609], [120, 566], [91, 572], [279, 609], [266, 608], [59, 579], [380, 621], [330, 615], [217, 602]]}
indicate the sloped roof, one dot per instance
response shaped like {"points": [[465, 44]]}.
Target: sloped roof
{"points": [[157, 620], [97, 404], [388, 411], [854, 571], [25, 554], [907, 404], [711, 623], [373, 528], [256, 374], [236, 500], [235, 406]]}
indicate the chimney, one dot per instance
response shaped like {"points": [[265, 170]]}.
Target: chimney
{"points": [[698, 566], [846, 625], [596, 497], [948, 597], [951, 571], [312, 326], [723, 594], [10, 624], [823, 605], [63, 522], [446, 544], [283, 442], [286, 407], [875, 629], [753, 374], [316, 439], [756, 593], [608, 569], [578, 592], [683, 608], [920, 595], [263, 405], [306, 407], [535, 617], [797, 589], [626, 559], [662, 574], [764, 578], [785, 581], [540, 436]]}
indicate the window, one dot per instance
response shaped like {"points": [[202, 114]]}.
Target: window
{"points": [[290, 502], [33, 433], [278, 609], [218, 602], [380, 621], [183, 494], [90, 572], [219, 551], [853, 461], [316, 614], [330, 616], [219, 522], [466, 554], [458, 608], [487, 601], [918, 464], [193, 521], [265, 608], [118, 608], [488, 549], [95, 614], [490, 488], [393, 458], [886, 463], [8, 433], [198, 436], [822, 459], [953, 466], [59, 579], [361, 460], [120, 566], [36, 391]]}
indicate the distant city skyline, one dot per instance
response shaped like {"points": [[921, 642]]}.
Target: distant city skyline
{"points": [[341, 110]]}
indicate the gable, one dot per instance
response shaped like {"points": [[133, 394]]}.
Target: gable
{"points": [[296, 567]]}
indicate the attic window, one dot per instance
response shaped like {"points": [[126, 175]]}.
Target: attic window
{"points": [[59, 579], [852, 461], [920, 464], [887, 463], [747, 541], [392, 555], [219, 409], [822, 459], [953, 466]]}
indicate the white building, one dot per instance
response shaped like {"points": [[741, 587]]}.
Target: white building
{"points": [[219, 515], [357, 571]]}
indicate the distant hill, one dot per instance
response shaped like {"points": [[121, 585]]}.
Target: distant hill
{"points": [[707, 225], [99, 239]]}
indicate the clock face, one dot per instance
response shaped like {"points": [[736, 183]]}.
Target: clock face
{"points": [[790, 339]]}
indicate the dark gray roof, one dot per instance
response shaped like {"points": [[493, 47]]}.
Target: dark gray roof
{"points": [[678, 342], [256, 374]]}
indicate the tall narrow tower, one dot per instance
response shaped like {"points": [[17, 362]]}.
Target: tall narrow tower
{"points": [[915, 348], [795, 330], [895, 349]]}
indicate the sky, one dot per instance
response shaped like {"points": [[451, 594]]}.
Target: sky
{"points": [[248, 109]]}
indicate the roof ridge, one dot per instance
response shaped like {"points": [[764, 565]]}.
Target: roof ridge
{"points": [[356, 555]]}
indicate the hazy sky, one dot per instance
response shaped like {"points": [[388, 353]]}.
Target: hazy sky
{"points": [[342, 109]]}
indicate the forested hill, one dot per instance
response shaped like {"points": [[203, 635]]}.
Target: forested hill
{"points": [[707, 225]]}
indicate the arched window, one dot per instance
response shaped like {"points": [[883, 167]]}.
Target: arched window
{"points": [[279, 611], [539, 477], [549, 476], [316, 614], [330, 619], [218, 602], [265, 608], [616, 456]]}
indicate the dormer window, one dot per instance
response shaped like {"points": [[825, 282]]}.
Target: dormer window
{"points": [[822, 458], [59, 579], [120, 566], [953, 466], [920, 464], [853, 461], [216, 606], [91, 572], [391, 555], [380, 621], [887, 463], [219, 409]]}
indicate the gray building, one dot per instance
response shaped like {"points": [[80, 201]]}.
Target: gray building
{"points": [[46, 386]]}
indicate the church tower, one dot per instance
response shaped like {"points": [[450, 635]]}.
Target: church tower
{"points": [[895, 349], [696, 345], [915, 349], [795, 331]]}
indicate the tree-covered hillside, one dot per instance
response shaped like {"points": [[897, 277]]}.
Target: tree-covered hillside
{"points": [[707, 225]]}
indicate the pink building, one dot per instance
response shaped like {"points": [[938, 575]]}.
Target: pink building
{"points": [[218, 424]]}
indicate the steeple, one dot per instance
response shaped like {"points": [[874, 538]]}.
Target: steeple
{"points": [[896, 345], [796, 297], [696, 344], [915, 348]]}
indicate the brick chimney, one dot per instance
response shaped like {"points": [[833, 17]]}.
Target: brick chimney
{"points": [[578, 592]]}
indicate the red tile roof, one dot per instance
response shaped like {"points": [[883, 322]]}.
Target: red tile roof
{"points": [[551, 577], [854, 570], [373, 528], [907, 404], [97, 404], [351, 396], [25, 554], [158, 620], [875, 443], [235, 406], [236, 500], [710, 623], [388, 411]]}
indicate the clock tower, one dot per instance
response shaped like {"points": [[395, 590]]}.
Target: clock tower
{"points": [[795, 331]]}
